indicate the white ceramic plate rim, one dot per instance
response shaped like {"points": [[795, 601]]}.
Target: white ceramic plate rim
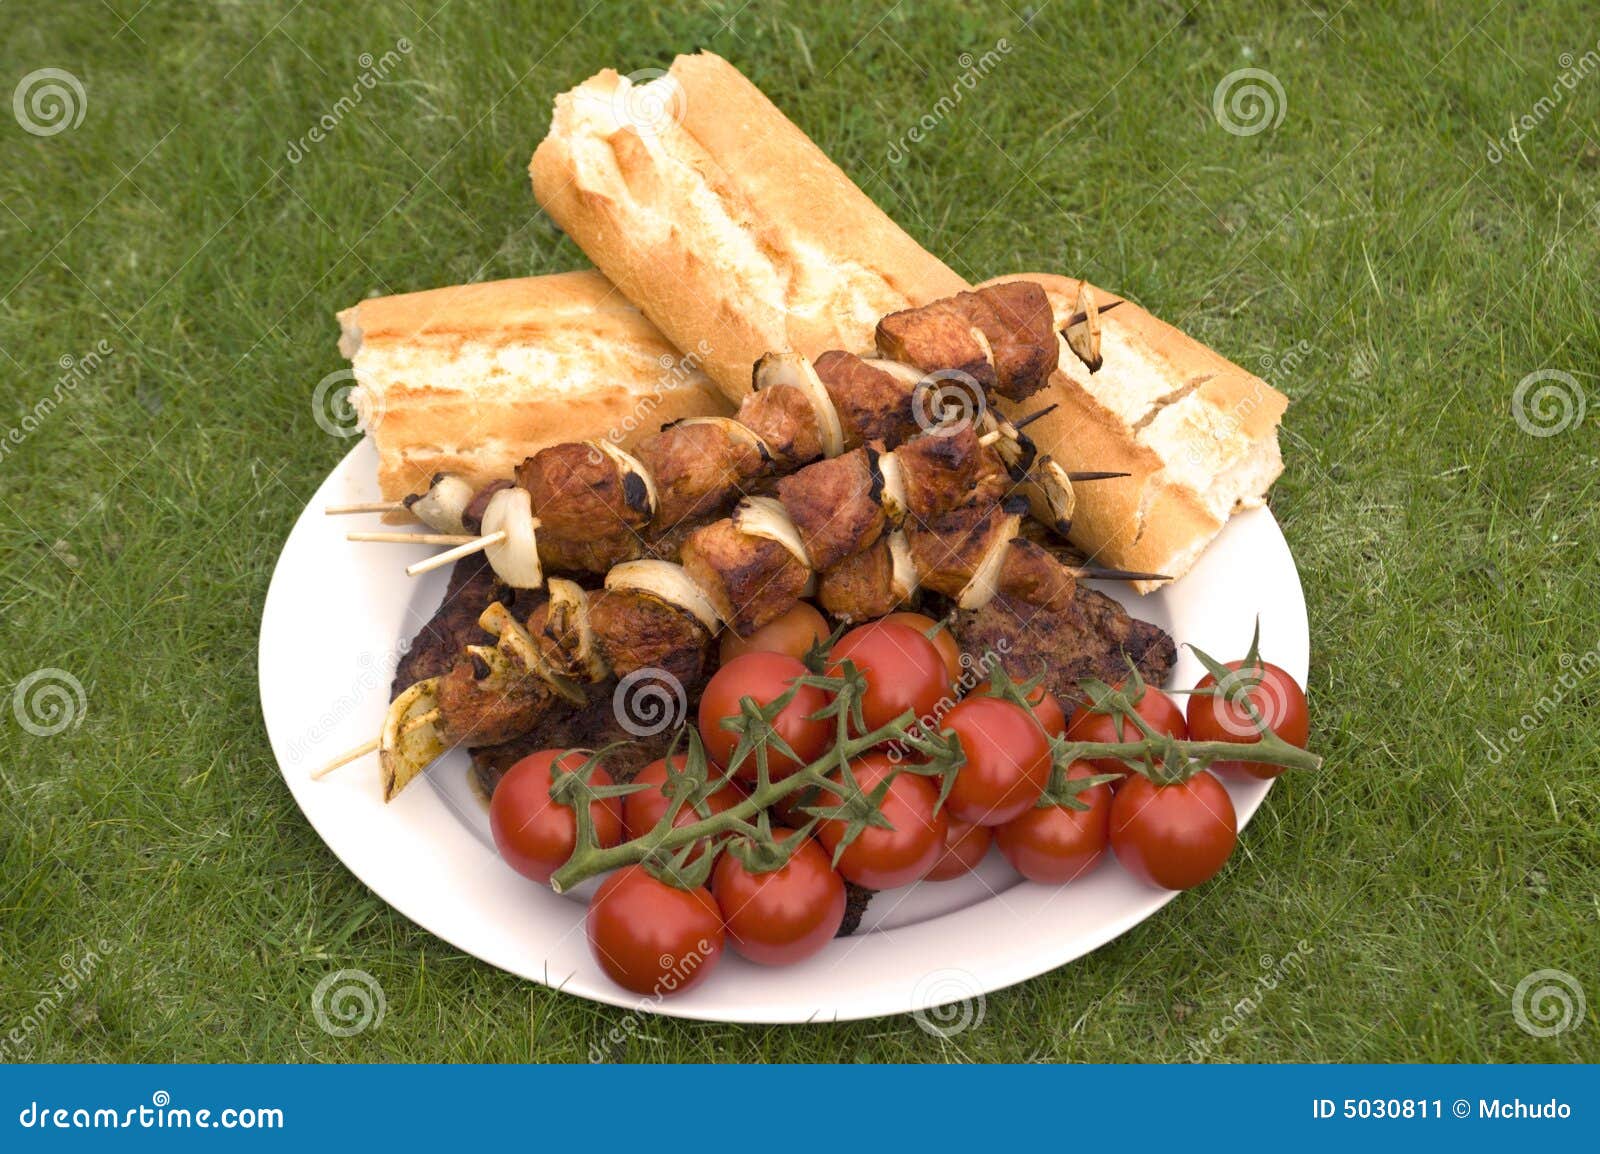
{"points": [[334, 616]]}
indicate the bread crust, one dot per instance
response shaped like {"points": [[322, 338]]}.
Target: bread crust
{"points": [[474, 378], [1197, 433], [724, 222]]}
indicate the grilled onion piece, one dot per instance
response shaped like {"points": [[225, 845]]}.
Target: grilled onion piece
{"points": [[515, 560]]}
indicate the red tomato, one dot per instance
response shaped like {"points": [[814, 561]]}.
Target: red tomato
{"points": [[1159, 711], [765, 677], [1278, 698], [1044, 704], [1056, 844], [882, 859], [1173, 836], [902, 667], [535, 834], [794, 633], [1008, 761], [943, 640], [641, 811], [964, 847], [653, 938], [785, 915]]}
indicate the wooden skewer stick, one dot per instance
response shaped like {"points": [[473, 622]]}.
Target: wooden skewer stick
{"points": [[1076, 477], [412, 538], [439, 560], [365, 507], [1024, 422], [1079, 318], [1098, 573], [367, 747]]}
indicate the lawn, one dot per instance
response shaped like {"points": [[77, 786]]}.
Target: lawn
{"points": [[1382, 249]]}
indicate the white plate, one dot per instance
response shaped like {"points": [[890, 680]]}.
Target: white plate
{"points": [[335, 617]]}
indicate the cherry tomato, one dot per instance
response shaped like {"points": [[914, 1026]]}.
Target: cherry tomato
{"points": [[943, 640], [1159, 711], [903, 670], [1045, 707], [1008, 761], [794, 633], [535, 834], [653, 938], [882, 859], [765, 677], [1056, 844], [1278, 698], [964, 847], [641, 811], [785, 915], [1173, 836]]}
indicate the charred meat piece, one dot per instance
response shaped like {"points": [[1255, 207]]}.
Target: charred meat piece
{"points": [[861, 586], [782, 417], [1030, 573], [453, 626], [948, 549], [1020, 326], [873, 405], [939, 470], [699, 470], [475, 710], [591, 509], [836, 505], [472, 517], [937, 337], [636, 631], [592, 726], [751, 580], [1086, 635], [855, 908]]}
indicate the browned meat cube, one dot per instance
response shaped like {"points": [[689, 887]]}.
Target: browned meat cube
{"points": [[637, 631], [836, 504], [473, 714], [873, 405], [749, 579], [1017, 320], [934, 337], [783, 418], [939, 471], [699, 470], [861, 586]]}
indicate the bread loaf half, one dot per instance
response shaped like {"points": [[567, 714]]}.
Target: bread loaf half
{"points": [[1198, 433], [723, 221], [474, 378]]}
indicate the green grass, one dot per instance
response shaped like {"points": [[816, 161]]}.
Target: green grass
{"points": [[1449, 559]]}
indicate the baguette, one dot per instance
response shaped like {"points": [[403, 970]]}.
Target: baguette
{"points": [[474, 378], [723, 221], [1197, 433]]}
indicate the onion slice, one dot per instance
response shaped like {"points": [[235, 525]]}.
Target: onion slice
{"points": [[515, 654], [893, 498], [442, 506], [736, 431], [515, 560], [793, 369], [638, 486], [569, 612], [903, 578], [665, 581], [766, 517], [403, 753], [985, 581]]}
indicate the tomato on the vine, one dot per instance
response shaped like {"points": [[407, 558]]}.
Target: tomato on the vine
{"points": [[943, 640], [879, 858], [964, 847], [784, 915], [1159, 711], [1055, 844], [1008, 760], [536, 834], [794, 633], [1277, 697], [765, 677], [642, 810], [1173, 836], [1046, 707], [902, 668], [651, 937]]}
